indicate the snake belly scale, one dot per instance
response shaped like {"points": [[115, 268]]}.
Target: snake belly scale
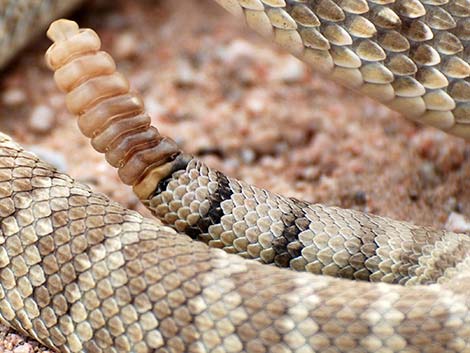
{"points": [[80, 273]]}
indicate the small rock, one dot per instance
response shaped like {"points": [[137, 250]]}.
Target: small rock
{"points": [[42, 119], [14, 339], [311, 173], [14, 97], [291, 70], [248, 155], [256, 102], [25, 348], [236, 51], [457, 223], [185, 74], [126, 46], [153, 107], [428, 174]]}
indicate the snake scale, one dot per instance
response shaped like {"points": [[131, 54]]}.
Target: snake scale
{"points": [[80, 273]]}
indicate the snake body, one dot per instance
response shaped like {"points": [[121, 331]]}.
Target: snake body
{"points": [[412, 55], [80, 273]]}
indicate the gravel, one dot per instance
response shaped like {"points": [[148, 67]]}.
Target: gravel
{"points": [[42, 119]]}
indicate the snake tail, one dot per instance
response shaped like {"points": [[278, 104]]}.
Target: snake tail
{"points": [[108, 112], [227, 213], [80, 273]]}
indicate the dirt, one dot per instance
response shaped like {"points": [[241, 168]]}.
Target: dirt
{"points": [[247, 108]]}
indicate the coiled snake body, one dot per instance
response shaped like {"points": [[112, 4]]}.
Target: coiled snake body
{"points": [[80, 273]]}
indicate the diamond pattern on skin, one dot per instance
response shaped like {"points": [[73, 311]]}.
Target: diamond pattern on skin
{"points": [[80, 273]]}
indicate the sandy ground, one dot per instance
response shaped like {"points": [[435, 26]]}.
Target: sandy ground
{"points": [[246, 108]]}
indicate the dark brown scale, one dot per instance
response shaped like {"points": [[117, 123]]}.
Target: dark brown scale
{"points": [[108, 112]]}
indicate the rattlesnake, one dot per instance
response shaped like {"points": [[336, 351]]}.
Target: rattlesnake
{"points": [[80, 273]]}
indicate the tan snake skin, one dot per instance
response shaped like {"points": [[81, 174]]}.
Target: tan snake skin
{"points": [[21, 20], [80, 273], [412, 55]]}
